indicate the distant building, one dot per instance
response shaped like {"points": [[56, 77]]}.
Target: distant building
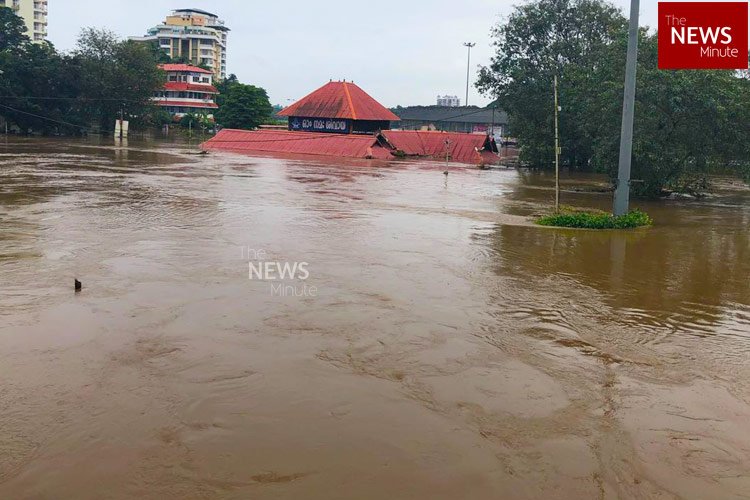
{"points": [[33, 13], [338, 107], [471, 119], [448, 101], [189, 89], [195, 36]]}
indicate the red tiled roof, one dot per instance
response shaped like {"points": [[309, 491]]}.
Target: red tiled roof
{"points": [[462, 147], [191, 87], [339, 100], [183, 67], [188, 104], [284, 141], [465, 148]]}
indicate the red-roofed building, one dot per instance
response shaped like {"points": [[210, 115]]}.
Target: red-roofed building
{"points": [[454, 146], [169, 67], [284, 141], [338, 107], [189, 89], [388, 144]]}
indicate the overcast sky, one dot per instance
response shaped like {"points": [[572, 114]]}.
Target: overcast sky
{"points": [[400, 51]]}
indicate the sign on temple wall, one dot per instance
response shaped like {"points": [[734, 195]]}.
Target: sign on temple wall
{"points": [[335, 125]]}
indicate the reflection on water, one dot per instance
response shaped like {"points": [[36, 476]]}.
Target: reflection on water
{"points": [[454, 349]]}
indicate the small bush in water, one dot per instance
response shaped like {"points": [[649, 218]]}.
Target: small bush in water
{"points": [[601, 220]]}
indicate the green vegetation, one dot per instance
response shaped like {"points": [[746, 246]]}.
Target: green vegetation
{"points": [[595, 220], [196, 122], [242, 106], [687, 123], [47, 92], [12, 30]]}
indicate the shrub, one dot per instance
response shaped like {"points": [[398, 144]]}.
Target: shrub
{"points": [[598, 220]]}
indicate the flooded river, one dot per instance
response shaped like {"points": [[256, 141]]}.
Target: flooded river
{"points": [[441, 346]]}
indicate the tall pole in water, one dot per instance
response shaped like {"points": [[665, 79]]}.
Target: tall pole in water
{"points": [[622, 190], [468, 66], [557, 152]]}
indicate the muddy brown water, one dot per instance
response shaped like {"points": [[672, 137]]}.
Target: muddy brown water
{"points": [[451, 349]]}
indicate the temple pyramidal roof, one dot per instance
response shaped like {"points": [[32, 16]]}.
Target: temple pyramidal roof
{"points": [[339, 100]]}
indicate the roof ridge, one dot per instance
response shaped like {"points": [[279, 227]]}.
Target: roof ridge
{"points": [[349, 98]]}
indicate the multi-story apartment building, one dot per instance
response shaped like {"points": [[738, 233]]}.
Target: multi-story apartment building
{"points": [[189, 89], [448, 100], [33, 13], [193, 36]]}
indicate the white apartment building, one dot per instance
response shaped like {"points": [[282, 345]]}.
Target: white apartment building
{"points": [[194, 36], [33, 13], [451, 101]]}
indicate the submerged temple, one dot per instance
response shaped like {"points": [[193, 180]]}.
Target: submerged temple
{"points": [[339, 107], [340, 119]]}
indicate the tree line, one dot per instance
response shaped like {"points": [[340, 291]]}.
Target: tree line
{"points": [[48, 92], [688, 124]]}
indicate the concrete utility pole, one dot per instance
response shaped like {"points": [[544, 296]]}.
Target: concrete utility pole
{"points": [[468, 65], [557, 153], [622, 190]]}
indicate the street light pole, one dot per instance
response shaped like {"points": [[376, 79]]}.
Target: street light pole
{"points": [[622, 190], [469, 45]]}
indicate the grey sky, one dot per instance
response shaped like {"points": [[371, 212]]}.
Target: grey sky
{"points": [[401, 52]]}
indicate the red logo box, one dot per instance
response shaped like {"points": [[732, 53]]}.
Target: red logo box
{"points": [[703, 35]]}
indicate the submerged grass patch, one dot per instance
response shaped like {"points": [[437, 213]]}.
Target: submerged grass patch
{"points": [[596, 220]]}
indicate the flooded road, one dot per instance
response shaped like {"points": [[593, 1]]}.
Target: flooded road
{"points": [[441, 346]]}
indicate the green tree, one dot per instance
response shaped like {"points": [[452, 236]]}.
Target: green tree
{"points": [[223, 86], [44, 89], [539, 40], [242, 106], [687, 123], [118, 76], [159, 54], [37, 82], [49, 92], [12, 30]]}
